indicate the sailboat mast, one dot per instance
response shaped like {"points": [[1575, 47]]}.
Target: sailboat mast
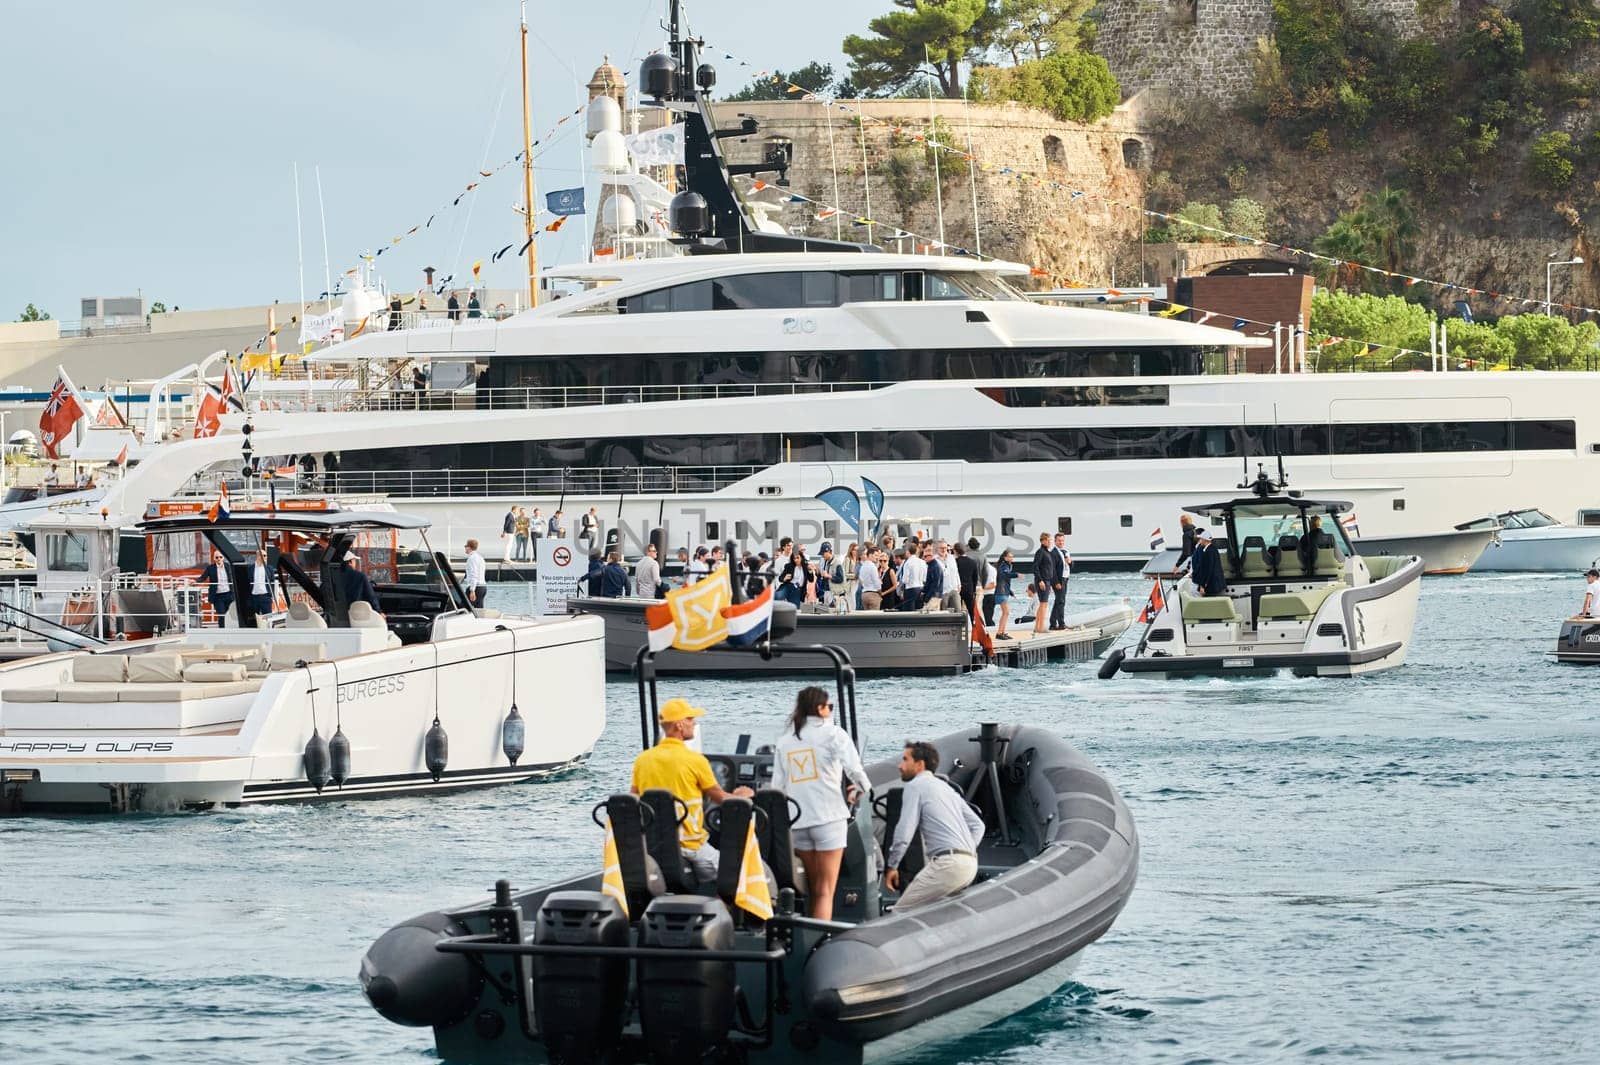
{"points": [[527, 166]]}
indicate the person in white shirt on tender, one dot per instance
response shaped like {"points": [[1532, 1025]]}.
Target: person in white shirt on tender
{"points": [[647, 573], [811, 761], [476, 581], [869, 583], [1591, 595], [951, 599], [913, 574], [951, 832]]}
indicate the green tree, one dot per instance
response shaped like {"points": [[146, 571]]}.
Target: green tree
{"points": [[1345, 243], [1550, 161], [34, 314], [924, 38], [1245, 216], [815, 77], [1476, 345], [1385, 320], [1042, 27], [1558, 26], [1196, 223], [158, 307], [1389, 227], [1072, 86], [1545, 342]]}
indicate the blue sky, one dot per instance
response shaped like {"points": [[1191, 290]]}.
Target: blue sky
{"points": [[150, 146]]}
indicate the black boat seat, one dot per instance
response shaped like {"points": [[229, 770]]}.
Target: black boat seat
{"points": [[641, 876], [735, 814], [775, 839], [915, 857], [1253, 560], [661, 840]]}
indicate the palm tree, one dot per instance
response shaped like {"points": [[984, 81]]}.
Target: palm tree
{"points": [[1345, 242], [1389, 226]]}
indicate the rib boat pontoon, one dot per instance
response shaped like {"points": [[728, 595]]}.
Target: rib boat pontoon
{"points": [[680, 974]]}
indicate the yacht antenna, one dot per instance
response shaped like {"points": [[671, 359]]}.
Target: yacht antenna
{"points": [[527, 167], [1277, 448], [327, 273], [933, 130], [299, 248]]}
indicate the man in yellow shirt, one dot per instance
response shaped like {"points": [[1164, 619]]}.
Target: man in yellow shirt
{"points": [[671, 764]]}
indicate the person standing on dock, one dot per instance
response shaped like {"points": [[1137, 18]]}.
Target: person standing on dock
{"points": [[1044, 578], [1591, 595], [869, 582], [985, 581], [647, 573], [811, 763], [1004, 570], [475, 582], [967, 580], [950, 830], [1058, 585]]}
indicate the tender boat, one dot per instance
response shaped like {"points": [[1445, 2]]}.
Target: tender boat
{"points": [[1298, 598], [567, 973], [326, 699], [1579, 642], [1531, 541], [1446, 553]]}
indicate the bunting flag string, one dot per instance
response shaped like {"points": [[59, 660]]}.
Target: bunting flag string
{"points": [[1408, 279]]}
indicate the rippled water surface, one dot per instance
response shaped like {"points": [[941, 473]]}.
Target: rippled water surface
{"points": [[1398, 868]]}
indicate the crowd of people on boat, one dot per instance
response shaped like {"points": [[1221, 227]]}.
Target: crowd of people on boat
{"points": [[815, 762]]}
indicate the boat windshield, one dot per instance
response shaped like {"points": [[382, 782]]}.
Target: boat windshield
{"points": [[1272, 523], [969, 286], [1528, 519]]}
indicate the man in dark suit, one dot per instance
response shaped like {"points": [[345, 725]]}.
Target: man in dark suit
{"points": [[218, 579], [1058, 585], [967, 577], [613, 578], [1044, 579], [356, 585], [933, 588], [1186, 525], [1206, 569]]}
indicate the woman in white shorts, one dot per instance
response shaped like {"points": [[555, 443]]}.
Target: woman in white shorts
{"points": [[812, 760]]}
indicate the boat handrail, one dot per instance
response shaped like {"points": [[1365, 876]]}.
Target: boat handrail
{"points": [[546, 481]]}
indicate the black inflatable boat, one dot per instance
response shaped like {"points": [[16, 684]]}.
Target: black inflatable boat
{"points": [[560, 973]]}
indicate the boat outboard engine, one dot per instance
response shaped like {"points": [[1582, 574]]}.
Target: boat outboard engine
{"points": [[411, 983], [685, 1007], [580, 1003]]}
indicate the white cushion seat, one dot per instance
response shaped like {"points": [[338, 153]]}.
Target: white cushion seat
{"points": [[89, 692], [183, 693], [301, 616], [29, 695], [285, 655], [101, 668], [214, 673], [155, 667]]}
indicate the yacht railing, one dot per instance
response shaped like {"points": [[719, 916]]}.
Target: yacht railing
{"points": [[392, 391], [514, 483]]}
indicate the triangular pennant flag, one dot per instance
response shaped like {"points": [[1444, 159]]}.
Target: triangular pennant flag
{"points": [[752, 895], [611, 877]]}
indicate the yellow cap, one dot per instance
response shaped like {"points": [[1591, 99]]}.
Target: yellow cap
{"points": [[679, 710]]}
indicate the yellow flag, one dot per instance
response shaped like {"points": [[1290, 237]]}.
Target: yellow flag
{"points": [[752, 895], [611, 879], [255, 361], [1172, 311], [697, 621]]}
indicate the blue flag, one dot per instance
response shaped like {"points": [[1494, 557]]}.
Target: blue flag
{"points": [[845, 503], [564, 201], [874, 498]]}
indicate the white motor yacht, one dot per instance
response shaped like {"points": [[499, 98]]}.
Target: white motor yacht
{"points": [[332, 697], [1298, 598], [1531, 541]]}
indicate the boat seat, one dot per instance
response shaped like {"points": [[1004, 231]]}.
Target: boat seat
{"points": [[184, 693], [641, 876], [29, 695], [774, 838], [1208, 608], [1289, 561], [736, 813], [915, 857], [362, 616], [1229, 570], [91, 691], [301, 616], [100, 668], [285, 655], [661, 841], [1297, 605], [1326, 562], [1254, 558]]}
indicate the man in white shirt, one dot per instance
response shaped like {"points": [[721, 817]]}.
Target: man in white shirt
{"points": [[952, 578], [871, 582], [951, 832], [647, 573], [476, 581], [261, 584], [913, 575], [699, 566], [1591, 595]]}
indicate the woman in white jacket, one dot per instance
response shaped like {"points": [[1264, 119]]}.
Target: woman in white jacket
{"points": [[814, 756]]}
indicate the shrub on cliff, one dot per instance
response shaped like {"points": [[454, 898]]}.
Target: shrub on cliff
{"points": [[1072, 86], [1550, 161]]}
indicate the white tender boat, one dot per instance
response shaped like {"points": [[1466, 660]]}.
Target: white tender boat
{"points": [[1532, 541], [328, 699], [1298, 598]]}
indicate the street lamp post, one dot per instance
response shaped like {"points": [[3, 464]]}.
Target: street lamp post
{"points": [[1574, 261]]}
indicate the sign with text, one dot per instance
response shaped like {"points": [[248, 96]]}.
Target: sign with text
{"points": [[561, 566]]}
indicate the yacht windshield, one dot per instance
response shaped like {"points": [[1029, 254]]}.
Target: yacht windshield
{"points": [[1529, 519], [1274, 523], [969, 286]]}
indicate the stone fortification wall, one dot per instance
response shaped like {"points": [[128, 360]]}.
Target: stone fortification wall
{"points": [[1208, 47], [1081, 239]]}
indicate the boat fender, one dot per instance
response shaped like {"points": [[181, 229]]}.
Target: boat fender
{"points": [[315, 761], [1113, 662], [436, 749], [411, 983], [339, 757], [513, 735]]}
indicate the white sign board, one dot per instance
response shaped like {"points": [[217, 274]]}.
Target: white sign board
{"points": [[561, 565]]}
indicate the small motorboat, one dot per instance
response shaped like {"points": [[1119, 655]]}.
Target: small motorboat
{"points": [[1446, 553], [675, 972], [326, 699], [1531, 541], [1298, 598], [1579, 642]]}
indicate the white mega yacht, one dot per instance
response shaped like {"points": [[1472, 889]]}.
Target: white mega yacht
{"points": [[717, 393]]}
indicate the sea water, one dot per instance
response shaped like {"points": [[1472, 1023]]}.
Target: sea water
{"points": [[1397, 868]]}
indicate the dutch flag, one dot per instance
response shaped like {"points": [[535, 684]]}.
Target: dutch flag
{"points": [[1351, 526], [748, 622], [219, 509], [1157, 541]]}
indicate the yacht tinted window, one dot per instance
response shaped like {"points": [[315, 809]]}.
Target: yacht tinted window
{"points": [[945, 287], [695, 296], [819, 288]]}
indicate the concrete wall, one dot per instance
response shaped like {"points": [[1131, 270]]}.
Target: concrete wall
{"points": [[1078, 239], [29, 332]]}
